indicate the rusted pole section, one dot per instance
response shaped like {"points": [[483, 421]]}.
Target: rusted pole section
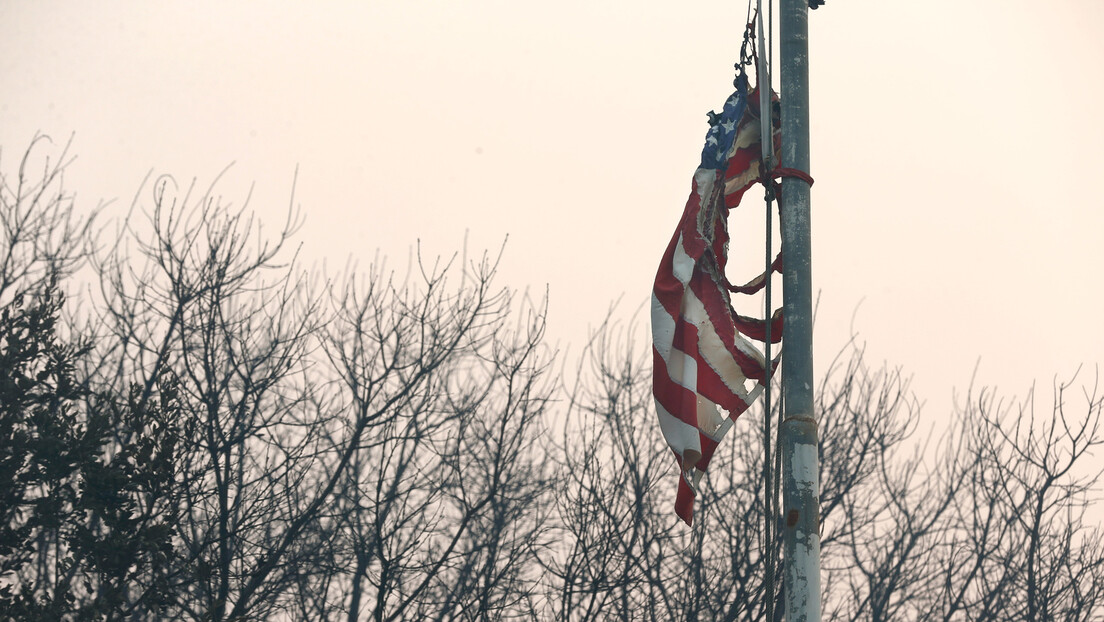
{"points": [[800, 456]]}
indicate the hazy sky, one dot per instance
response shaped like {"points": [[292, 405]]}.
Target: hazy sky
{"points": [[956, 146]]}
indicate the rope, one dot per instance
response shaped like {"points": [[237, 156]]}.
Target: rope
{"points": [[781, 171], [766, 138], [775, 482]]}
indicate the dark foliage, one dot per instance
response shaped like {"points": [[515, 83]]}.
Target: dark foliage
{"points": [[87, 481]]}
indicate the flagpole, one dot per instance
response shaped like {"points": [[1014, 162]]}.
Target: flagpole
{"points": [[800, 459]]}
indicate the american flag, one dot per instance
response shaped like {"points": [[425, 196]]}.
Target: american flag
{"points": [[703, 352]]}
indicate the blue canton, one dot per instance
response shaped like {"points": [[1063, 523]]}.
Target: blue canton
{"points": [[722, 130]]}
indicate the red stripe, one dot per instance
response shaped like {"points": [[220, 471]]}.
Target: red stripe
{"points": [[720, 315], [668, 290], [708, 446], [742, 160], [675, 398], [692, 239], [756, 328], [684, 498], [753, 286], [684, 501], [709, 382]]}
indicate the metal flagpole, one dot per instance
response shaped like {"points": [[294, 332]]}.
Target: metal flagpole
{"points": [[800, 459]]}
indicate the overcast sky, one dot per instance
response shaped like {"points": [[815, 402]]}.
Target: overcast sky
{"points": [[956, 146]]}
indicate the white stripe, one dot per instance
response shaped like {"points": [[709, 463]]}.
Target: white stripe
{"points": [[703, 181], [710, 419], [756, 391], [663, 329], [735, 183], [713, 350], [683, 370], [682, 264], [679, 435], [744, 137]]}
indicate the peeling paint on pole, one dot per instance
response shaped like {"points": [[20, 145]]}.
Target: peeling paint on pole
{"points": [[801, 506], [804, 466]]}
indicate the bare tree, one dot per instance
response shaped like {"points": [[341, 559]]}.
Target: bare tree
{"points": [[995, 530], [1020, 547], [987, 522], [370, 426], [617, 538], [196, 294], [42, 239], [881, 504], [230, 437], [442, 508]]}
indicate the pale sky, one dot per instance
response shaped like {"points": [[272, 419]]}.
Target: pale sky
{"points": [[956, 147]]}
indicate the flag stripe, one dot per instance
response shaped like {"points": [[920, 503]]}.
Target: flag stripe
{"points": [[703, 356], [753, 286], [716, 356], [729, 394], [680, 435], [714, 299], [757, 328], [681, 402]]}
